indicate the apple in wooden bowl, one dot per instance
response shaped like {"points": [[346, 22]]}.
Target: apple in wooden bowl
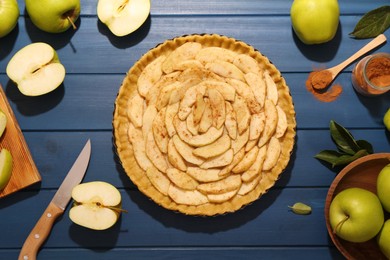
{"points": [[360, 179]]}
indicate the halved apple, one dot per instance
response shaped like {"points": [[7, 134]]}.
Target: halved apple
{"points": [[123, 17], [3, 122], [97, 205], [36, 69], [5, 167]]}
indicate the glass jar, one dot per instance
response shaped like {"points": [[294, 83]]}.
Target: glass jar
{"points": [[371, 75]]}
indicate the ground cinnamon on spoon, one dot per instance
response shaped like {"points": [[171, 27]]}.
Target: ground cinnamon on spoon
{"points": [[318, 84], [321, 79]]}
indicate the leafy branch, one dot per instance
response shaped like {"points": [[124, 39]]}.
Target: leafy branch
{"points": [[348, 149]]}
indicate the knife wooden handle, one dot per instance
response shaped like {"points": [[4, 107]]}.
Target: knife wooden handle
{"points": [[40, 232]]}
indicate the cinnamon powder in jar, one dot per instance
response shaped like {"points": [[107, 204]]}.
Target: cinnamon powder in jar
{"points": [[371, 76], [378, 71]]}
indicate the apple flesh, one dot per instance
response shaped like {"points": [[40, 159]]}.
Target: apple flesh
{"points": [[97, 205], [3, 122], [53, 16], [123, 17], [9, 15], [5, 167], [384, 239], [315, 21], [36, 69], [356, 215], [383, 187]]}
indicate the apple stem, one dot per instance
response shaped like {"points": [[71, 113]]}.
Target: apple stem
{"points": [[340, 224], [72, 23]]}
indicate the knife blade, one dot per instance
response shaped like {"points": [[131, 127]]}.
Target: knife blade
{"points": [[57, 206]]}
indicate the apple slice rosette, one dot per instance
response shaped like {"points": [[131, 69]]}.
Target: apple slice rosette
{"points": [[204, 124]]}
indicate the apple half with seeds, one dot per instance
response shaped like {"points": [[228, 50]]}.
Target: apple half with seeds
{"points": [[36, 69], [123, 17], [97, 205], [5, 167]]}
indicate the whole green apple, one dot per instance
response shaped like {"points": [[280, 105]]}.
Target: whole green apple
{"points": [[9, 14], [386, 119], [383, 187], [53, 16], [315, 21], [384, 239], [356, 215]]}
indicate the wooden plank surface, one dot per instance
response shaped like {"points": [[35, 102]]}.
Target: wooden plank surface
{"points": [[56, 125], [87, 102], [60, 148], [262, 32], [188, 253], [266, 222]]}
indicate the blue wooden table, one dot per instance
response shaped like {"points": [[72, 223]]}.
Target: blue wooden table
{"points": [[57, 125]]}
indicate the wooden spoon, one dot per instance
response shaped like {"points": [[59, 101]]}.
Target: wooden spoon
{"points": [[321, 79]]}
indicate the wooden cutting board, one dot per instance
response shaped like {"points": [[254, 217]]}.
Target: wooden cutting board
{"points": [[24, 170]]}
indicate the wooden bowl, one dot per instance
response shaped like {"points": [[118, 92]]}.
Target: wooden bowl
{"points": [[361, 173]]}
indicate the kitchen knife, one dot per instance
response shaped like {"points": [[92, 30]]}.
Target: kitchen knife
{"points": [[57, 206]]}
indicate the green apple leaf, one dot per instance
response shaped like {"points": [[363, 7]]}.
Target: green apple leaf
{"points": [[346, 159], [348, 149], [328, 156], [373, 23], [363, 144], [343, 139]]}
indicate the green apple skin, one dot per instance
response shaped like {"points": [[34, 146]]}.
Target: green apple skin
{"points": [[53, 16], [386, 119], [384, 239], [5, 167], [364, 212], [315, 21], [9, 15], [383, 187]]}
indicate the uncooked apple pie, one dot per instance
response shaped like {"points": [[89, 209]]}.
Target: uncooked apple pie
{"points": [[204, 124]]}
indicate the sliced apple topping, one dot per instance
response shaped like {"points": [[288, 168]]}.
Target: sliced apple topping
{"points": [[209, 127]]}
